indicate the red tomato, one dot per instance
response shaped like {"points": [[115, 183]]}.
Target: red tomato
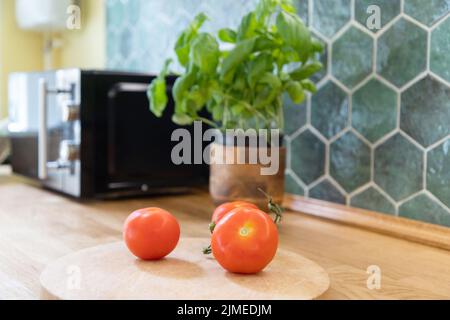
{"points": [[245, 240], [227, 207], [151, 234]]}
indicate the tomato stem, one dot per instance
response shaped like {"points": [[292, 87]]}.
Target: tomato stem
{"points": [[212, 226], [273, 207], [207, 250]]}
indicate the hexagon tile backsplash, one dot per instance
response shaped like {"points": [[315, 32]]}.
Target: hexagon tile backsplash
{"points": [[377, 133]]}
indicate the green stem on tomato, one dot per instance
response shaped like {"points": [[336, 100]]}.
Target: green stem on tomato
{"points": [[274, 208], [207, 250]]}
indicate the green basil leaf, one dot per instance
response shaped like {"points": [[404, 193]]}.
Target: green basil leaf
{"points": [[294, 33], [236, 57], [197, 98], [265, 43], [264, 9], [183, 44], [182, 85], [306, 71], [296, 92], [182, 119], [205, 53], [317, 45], [258, 66], [157, 94], [227, 35], [288, 6], [247, 28], [238, 108], [309, 85], [217, 113], [272, 80], [268, 88]]}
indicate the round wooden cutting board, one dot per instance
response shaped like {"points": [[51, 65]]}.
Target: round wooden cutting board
{"points": [[111, 272]]}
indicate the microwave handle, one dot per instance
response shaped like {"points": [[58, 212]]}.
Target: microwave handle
{"points": [[42, 130]]}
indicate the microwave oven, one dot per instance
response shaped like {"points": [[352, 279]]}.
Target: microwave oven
{"points": [[90, 134]]}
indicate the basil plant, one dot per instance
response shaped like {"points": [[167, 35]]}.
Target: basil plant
{"points": [[270, 54]]}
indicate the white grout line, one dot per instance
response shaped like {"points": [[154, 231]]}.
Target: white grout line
{"points": [[387, 26], [288, 153], [360, 190], [338, 187], [428, 62], [399, 110], [339, 135], [340, 85], [437, 143], [425, 170], [386, 83], [361, 137], [362, 83], [386, 138], [439, 78], [386, 195], [319, 135], [412, 140], [308, 108], [437, 200], [409, 198], [341, 31], [414, 81], [440, 21], [297, 133], [317, 182], [372, 163], [416, 22], [327, 158], [297, 179]]}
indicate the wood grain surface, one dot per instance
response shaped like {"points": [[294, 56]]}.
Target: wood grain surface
{"points": [[413, 230], [38, 227], [111, 272]]}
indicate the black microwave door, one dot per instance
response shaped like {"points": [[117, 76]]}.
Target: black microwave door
{"points": [[139, 143]]}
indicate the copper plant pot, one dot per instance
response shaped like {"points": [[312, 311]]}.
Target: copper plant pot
{"points": [[231, 182]]}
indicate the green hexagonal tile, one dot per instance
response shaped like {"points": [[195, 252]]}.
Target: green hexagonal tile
{"points": [[425, 111], [389, 9], [294, 115], [427, 12], [329, 110], [350, 162], [399, 167], [308, 157], [352, 57], [330, 15], [402, 52], [374, 111], [291, 186], [438, 172], [424, 208], [327, 192], [440, 47], [371, 199]]}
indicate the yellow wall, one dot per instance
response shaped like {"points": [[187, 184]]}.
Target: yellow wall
{"points": [[85, 48], [22, 50]]}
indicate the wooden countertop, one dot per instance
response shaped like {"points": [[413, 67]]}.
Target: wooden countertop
{"points": [[37, 226]]}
